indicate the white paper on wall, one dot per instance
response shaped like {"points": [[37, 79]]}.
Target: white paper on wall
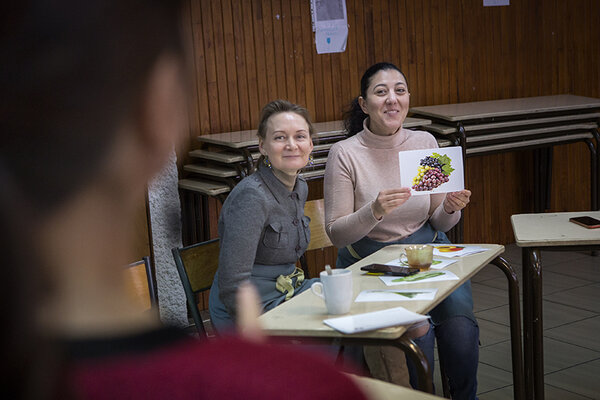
{"points": [[330, 24], [492, 3]]}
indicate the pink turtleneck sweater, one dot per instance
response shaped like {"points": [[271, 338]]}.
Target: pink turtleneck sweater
{"points": [[358, 168]]}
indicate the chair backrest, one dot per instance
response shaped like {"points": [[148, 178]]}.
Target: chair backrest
{"points": [[197, 265], [138, 278], [315, 210]]}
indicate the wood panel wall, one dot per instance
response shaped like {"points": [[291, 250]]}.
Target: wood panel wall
{"points": [[248, 52]]}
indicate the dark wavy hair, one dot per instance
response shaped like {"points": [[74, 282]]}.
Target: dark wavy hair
{"points": [[72, 72], [353, 115], [278, 106]]}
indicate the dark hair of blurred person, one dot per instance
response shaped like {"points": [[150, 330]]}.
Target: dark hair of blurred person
{"points": [[92, 102], [72, 72]]}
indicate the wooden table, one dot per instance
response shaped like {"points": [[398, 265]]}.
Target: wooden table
{"points": [[488, 127], [548, 232], [380, 390], [303, 315]]}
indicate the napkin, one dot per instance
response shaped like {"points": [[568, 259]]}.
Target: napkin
{"points": [[375, 320]]}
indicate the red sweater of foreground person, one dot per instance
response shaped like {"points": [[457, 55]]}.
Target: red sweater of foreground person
{"points": [[165, 364]]}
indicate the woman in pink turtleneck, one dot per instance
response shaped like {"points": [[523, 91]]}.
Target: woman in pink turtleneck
{"points": [[365, 210]]}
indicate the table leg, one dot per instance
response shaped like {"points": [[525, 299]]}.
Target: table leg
{"points": [[527, 331], [596, 171], [515, 326], [249, 161], [537, 324], [542, 172], [415, 353], [593, 173], [536, 181], [547, 193], [462, 138]]}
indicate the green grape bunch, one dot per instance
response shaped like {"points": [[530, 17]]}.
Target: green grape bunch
{"points": [[433, 171]]}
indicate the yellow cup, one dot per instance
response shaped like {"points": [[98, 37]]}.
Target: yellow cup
{"points": [[418, 256]]}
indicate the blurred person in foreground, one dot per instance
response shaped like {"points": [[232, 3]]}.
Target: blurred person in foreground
{"points": [[93, 101]]}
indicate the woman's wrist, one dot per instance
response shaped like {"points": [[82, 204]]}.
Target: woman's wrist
{"points": [[444, 205], [376, 213]]}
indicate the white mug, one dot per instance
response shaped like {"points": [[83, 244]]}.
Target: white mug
{"points": [[336, 290]]}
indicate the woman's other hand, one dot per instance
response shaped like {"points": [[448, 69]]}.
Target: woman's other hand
{"points": [[388, 200], [456, 201]]}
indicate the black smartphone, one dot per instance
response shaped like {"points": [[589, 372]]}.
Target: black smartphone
{"points": [[389, 270], [586, 221]]}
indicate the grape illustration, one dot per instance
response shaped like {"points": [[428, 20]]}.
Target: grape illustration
{"points": [[433, 171]]}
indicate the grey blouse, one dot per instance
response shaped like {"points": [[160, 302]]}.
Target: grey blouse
{"points": [[261, 222]]}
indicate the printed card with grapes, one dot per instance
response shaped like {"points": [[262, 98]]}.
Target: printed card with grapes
{"points": [[428, 171]]}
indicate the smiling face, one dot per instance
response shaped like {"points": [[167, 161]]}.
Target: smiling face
{"points": [[287, 143], [386, 102]]}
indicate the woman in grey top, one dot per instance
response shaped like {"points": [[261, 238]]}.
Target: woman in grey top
{"points": [[262, 225]]}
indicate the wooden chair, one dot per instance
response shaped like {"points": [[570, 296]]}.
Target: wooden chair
{"points": [[315, 210], [138, 278], [197, 265]]}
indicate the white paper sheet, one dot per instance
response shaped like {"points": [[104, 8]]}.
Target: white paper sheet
{"points": [[492, 3], [375, 320], [438, 263], [420, 277], [410, 161], [451, 250], [330, 24], [396, 295]]}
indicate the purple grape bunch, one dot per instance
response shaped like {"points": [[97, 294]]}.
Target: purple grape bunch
{"points": [[433, 171]]}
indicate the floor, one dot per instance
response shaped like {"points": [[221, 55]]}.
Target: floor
{"points": [[571, 284]]}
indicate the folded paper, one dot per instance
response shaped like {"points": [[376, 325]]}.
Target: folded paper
{"points": [[375, 320]]}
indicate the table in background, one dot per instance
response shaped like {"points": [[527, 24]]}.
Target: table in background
{"points": [[488, 127], [303, 315], [226, 158], [231, 155], [548, 232]]}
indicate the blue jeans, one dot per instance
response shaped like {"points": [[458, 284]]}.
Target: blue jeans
{"points": [[454, 324]]}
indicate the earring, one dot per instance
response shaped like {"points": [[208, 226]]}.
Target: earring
{"points": [[266, 161], [311, 160]]}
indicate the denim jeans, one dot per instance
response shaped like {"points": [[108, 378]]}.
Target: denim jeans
{"points": [[458, 349], [454, 324]]}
